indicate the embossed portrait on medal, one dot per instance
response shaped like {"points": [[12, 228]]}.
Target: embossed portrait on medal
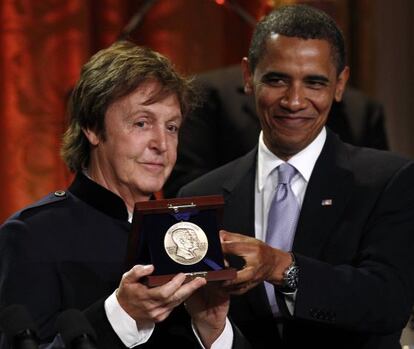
{"points": [[186, 243]]}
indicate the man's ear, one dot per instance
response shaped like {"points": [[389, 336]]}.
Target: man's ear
{"points": [[247, 76], [341, 84], [92, 136]]}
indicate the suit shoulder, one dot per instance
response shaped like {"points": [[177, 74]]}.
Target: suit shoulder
{"points": [[208, 183], [378, 164], [379, 157], [47, 202], [213, 181]]}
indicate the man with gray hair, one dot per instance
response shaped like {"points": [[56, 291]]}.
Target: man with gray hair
{"points": [[68, 249]]}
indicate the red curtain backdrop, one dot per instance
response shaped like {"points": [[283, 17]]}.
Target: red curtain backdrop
{"points": [[44, 43]]}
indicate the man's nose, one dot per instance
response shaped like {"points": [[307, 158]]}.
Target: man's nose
{"points": [[158, 140], [294, 98]]}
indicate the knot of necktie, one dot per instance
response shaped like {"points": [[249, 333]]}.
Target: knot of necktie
{"points": [[286, 172]]}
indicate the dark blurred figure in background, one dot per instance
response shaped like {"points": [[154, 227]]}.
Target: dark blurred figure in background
{"points": [[226, 126]]}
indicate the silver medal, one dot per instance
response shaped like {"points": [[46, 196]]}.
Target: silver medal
{"points": [[185, 243]]}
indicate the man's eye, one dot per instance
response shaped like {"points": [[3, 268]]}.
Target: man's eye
{"points": [[316, 84], [140, 123], [172, 128], [275, 82]]}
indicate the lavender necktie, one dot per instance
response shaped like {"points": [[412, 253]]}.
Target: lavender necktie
{"points": [[282, 220]]}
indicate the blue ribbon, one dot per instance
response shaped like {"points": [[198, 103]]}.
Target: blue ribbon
{"points": [[213, 265], [182, 216]]}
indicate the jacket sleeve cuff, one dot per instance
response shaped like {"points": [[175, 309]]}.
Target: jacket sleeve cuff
{"points": [[124, 325]]}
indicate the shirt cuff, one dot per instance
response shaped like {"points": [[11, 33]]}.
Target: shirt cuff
{"points": [[290, 299], [224, 341], [124, 325]]}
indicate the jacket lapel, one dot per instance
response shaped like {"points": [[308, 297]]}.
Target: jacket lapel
{"points": [[238, 192], [325, 199], [239, 218]]}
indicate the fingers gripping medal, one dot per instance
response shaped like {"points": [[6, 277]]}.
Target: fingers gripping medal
{"points": [[185, 243]]}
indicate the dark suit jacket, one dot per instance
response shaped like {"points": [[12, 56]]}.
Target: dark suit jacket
{"points": [[356, 281], [68, 251], [225, 126]]}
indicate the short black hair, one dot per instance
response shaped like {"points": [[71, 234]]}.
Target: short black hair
{"points": [[299, 21]]}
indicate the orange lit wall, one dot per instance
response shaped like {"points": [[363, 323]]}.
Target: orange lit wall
{"points": [[43, 45]]}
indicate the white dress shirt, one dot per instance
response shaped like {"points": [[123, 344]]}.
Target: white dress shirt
{"points": [[132, 334], [267, 179]]}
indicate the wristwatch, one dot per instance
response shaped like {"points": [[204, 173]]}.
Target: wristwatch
{"points": [[291, 276]]}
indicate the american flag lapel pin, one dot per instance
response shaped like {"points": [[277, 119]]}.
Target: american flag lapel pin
{"points": [[326, 202]]}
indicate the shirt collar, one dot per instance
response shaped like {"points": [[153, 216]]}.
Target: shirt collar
{"points": [[304, 161], [98, 197]]}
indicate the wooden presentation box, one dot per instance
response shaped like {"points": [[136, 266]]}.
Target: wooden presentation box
{"points": [[179, 236]]}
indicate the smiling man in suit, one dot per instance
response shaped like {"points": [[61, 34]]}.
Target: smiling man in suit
{"points": [[324, 229]]}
